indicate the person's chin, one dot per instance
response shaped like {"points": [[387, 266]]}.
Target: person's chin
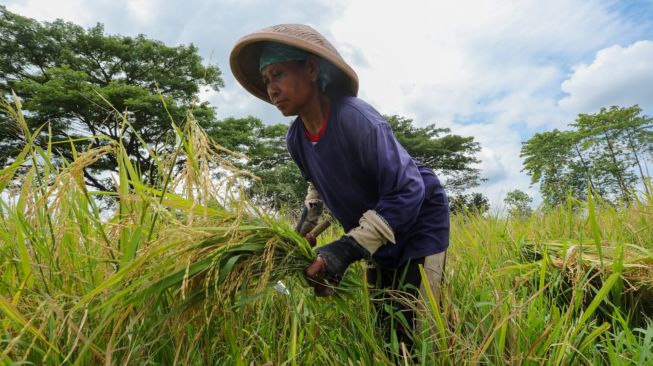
{"points": [[287, 112]]}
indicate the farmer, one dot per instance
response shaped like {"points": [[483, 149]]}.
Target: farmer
{"points": [[393, 209]]}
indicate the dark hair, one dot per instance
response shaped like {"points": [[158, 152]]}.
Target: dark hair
{"points": [[338, 82]]}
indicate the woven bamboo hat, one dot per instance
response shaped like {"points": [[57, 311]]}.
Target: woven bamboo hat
{"points": [[244, 58]]}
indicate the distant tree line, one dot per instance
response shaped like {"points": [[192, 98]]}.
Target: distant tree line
{"points": [[607, 152]]}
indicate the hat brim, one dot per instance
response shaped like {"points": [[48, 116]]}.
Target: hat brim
{"points": [[244, 58]]}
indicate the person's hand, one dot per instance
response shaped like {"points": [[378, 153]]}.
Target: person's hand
{"points": [[311, 236], [333, 259], [310, 215], [311, 239], [315, 276]]}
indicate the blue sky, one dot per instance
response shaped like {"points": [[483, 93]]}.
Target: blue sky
{"points": [[496, 70]]}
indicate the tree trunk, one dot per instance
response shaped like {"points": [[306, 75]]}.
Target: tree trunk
{"points": [[587, 171], [624, 190], [631, 144]]}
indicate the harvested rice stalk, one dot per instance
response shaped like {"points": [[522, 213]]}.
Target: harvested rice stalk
{"points": [[222, 263], [636, 262]]}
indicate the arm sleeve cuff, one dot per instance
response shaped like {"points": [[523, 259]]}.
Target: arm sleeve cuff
{"points": [[372, 232]]}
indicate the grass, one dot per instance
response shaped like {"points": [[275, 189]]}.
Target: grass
{"points": [[182, 273]]}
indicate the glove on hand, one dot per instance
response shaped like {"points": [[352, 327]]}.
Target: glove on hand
{"points": [[310, 215], [332, 261]]}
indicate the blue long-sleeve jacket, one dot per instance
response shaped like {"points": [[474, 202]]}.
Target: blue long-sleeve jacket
{"points": [[358, 165]]}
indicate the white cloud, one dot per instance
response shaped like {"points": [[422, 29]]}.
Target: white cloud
{"points": [[448, 58], [70, 10], [617, 76], [142, 11]]}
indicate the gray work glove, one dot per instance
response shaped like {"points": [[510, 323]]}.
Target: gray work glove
{"points": [[333, 259], [310, 215], [311, 212]]}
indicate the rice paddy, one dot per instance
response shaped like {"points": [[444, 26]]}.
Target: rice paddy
{"points": [[182, 272]]}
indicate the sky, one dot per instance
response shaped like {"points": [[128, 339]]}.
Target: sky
{"points": [[499, 71]]}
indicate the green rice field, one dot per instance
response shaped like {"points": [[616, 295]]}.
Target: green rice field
{"points": [[182, 272]]}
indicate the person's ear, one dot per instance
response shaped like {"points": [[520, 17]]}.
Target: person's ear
{"points": [[313, 67]]}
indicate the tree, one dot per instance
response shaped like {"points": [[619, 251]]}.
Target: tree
{"points": [[637, 130], [603, 151], [604, 134], [518, 203], [67, 76], [476, 203], [452, 156], [554, 160]]}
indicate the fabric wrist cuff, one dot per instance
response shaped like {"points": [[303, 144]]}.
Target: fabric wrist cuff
{"points": [[372, 232]]}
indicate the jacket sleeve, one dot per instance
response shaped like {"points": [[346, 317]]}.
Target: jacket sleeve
{"points": [[400, 184]]}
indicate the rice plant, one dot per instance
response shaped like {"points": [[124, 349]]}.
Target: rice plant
{"points": [[181, 271]]}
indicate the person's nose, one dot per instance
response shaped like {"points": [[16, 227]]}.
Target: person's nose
{"points": [[273, 90]]}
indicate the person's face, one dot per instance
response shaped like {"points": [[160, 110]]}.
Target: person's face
{"points": [[290, 85]]}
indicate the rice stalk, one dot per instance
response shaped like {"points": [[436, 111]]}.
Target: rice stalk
{"points": [[637, 262]]}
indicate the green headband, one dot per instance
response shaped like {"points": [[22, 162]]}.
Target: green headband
{"points": [[274, 52]]}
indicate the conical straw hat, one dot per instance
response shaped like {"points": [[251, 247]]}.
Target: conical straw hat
{"points": [[244, 58]]}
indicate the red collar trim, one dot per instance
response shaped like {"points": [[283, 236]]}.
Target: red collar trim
{"points": [[318, 135]]}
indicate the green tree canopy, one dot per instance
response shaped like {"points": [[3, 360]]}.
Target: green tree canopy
{"points": [[606, 151], [475, 203], [616, 138], [518, 203], [66, 74], [550, 159]]}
